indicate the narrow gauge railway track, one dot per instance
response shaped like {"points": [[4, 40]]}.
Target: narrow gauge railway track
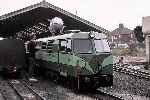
{"points": [[61, 93], [47, 95], [24, 91], [125, 69], [7, 92]]}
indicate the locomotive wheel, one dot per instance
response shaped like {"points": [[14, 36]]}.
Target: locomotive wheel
{"points": [[63, 81], [56, 78], [72, 84]]}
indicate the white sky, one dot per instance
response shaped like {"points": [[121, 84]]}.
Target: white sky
{"points": [[105, 13]]}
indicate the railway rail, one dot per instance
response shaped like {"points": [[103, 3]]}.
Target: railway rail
{"points": [[102, 95], [61, 93], [124, 68], [24, 91], [7, 92]]}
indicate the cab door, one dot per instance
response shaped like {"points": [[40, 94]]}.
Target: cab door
{"points": [[64, 56]]}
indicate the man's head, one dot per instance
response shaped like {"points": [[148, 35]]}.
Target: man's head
{"points": [[56, 26]]}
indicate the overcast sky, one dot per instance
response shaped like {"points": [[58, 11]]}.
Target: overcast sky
{"points": [[105, 13]]}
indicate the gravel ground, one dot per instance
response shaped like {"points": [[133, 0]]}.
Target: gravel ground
{"points": [[51, 91], [130, 87], [7, 92]]}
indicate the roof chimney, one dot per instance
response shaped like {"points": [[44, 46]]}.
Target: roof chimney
{"points": [[121, 26]]}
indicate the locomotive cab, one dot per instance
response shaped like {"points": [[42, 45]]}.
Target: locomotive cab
{"points": [[84, 57], [96, 60]]}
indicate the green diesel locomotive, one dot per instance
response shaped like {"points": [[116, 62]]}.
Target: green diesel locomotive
{"points": [[83, 59]]}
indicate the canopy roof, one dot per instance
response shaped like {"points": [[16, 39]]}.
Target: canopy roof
{"points": [[34, 19]]}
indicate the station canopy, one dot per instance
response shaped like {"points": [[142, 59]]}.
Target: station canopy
{"points": [[34, 19]]}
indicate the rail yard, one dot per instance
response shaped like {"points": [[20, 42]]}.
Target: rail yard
{"points": [[129, 86], [126, 86], [46, 90], [47, 53]]}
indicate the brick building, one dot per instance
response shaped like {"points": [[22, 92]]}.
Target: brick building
{"points": [[122, 35]]}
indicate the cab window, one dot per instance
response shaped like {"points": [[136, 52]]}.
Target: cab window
{"points": [[82, 45], [68, 48], [63, 45], [101, 45]]}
